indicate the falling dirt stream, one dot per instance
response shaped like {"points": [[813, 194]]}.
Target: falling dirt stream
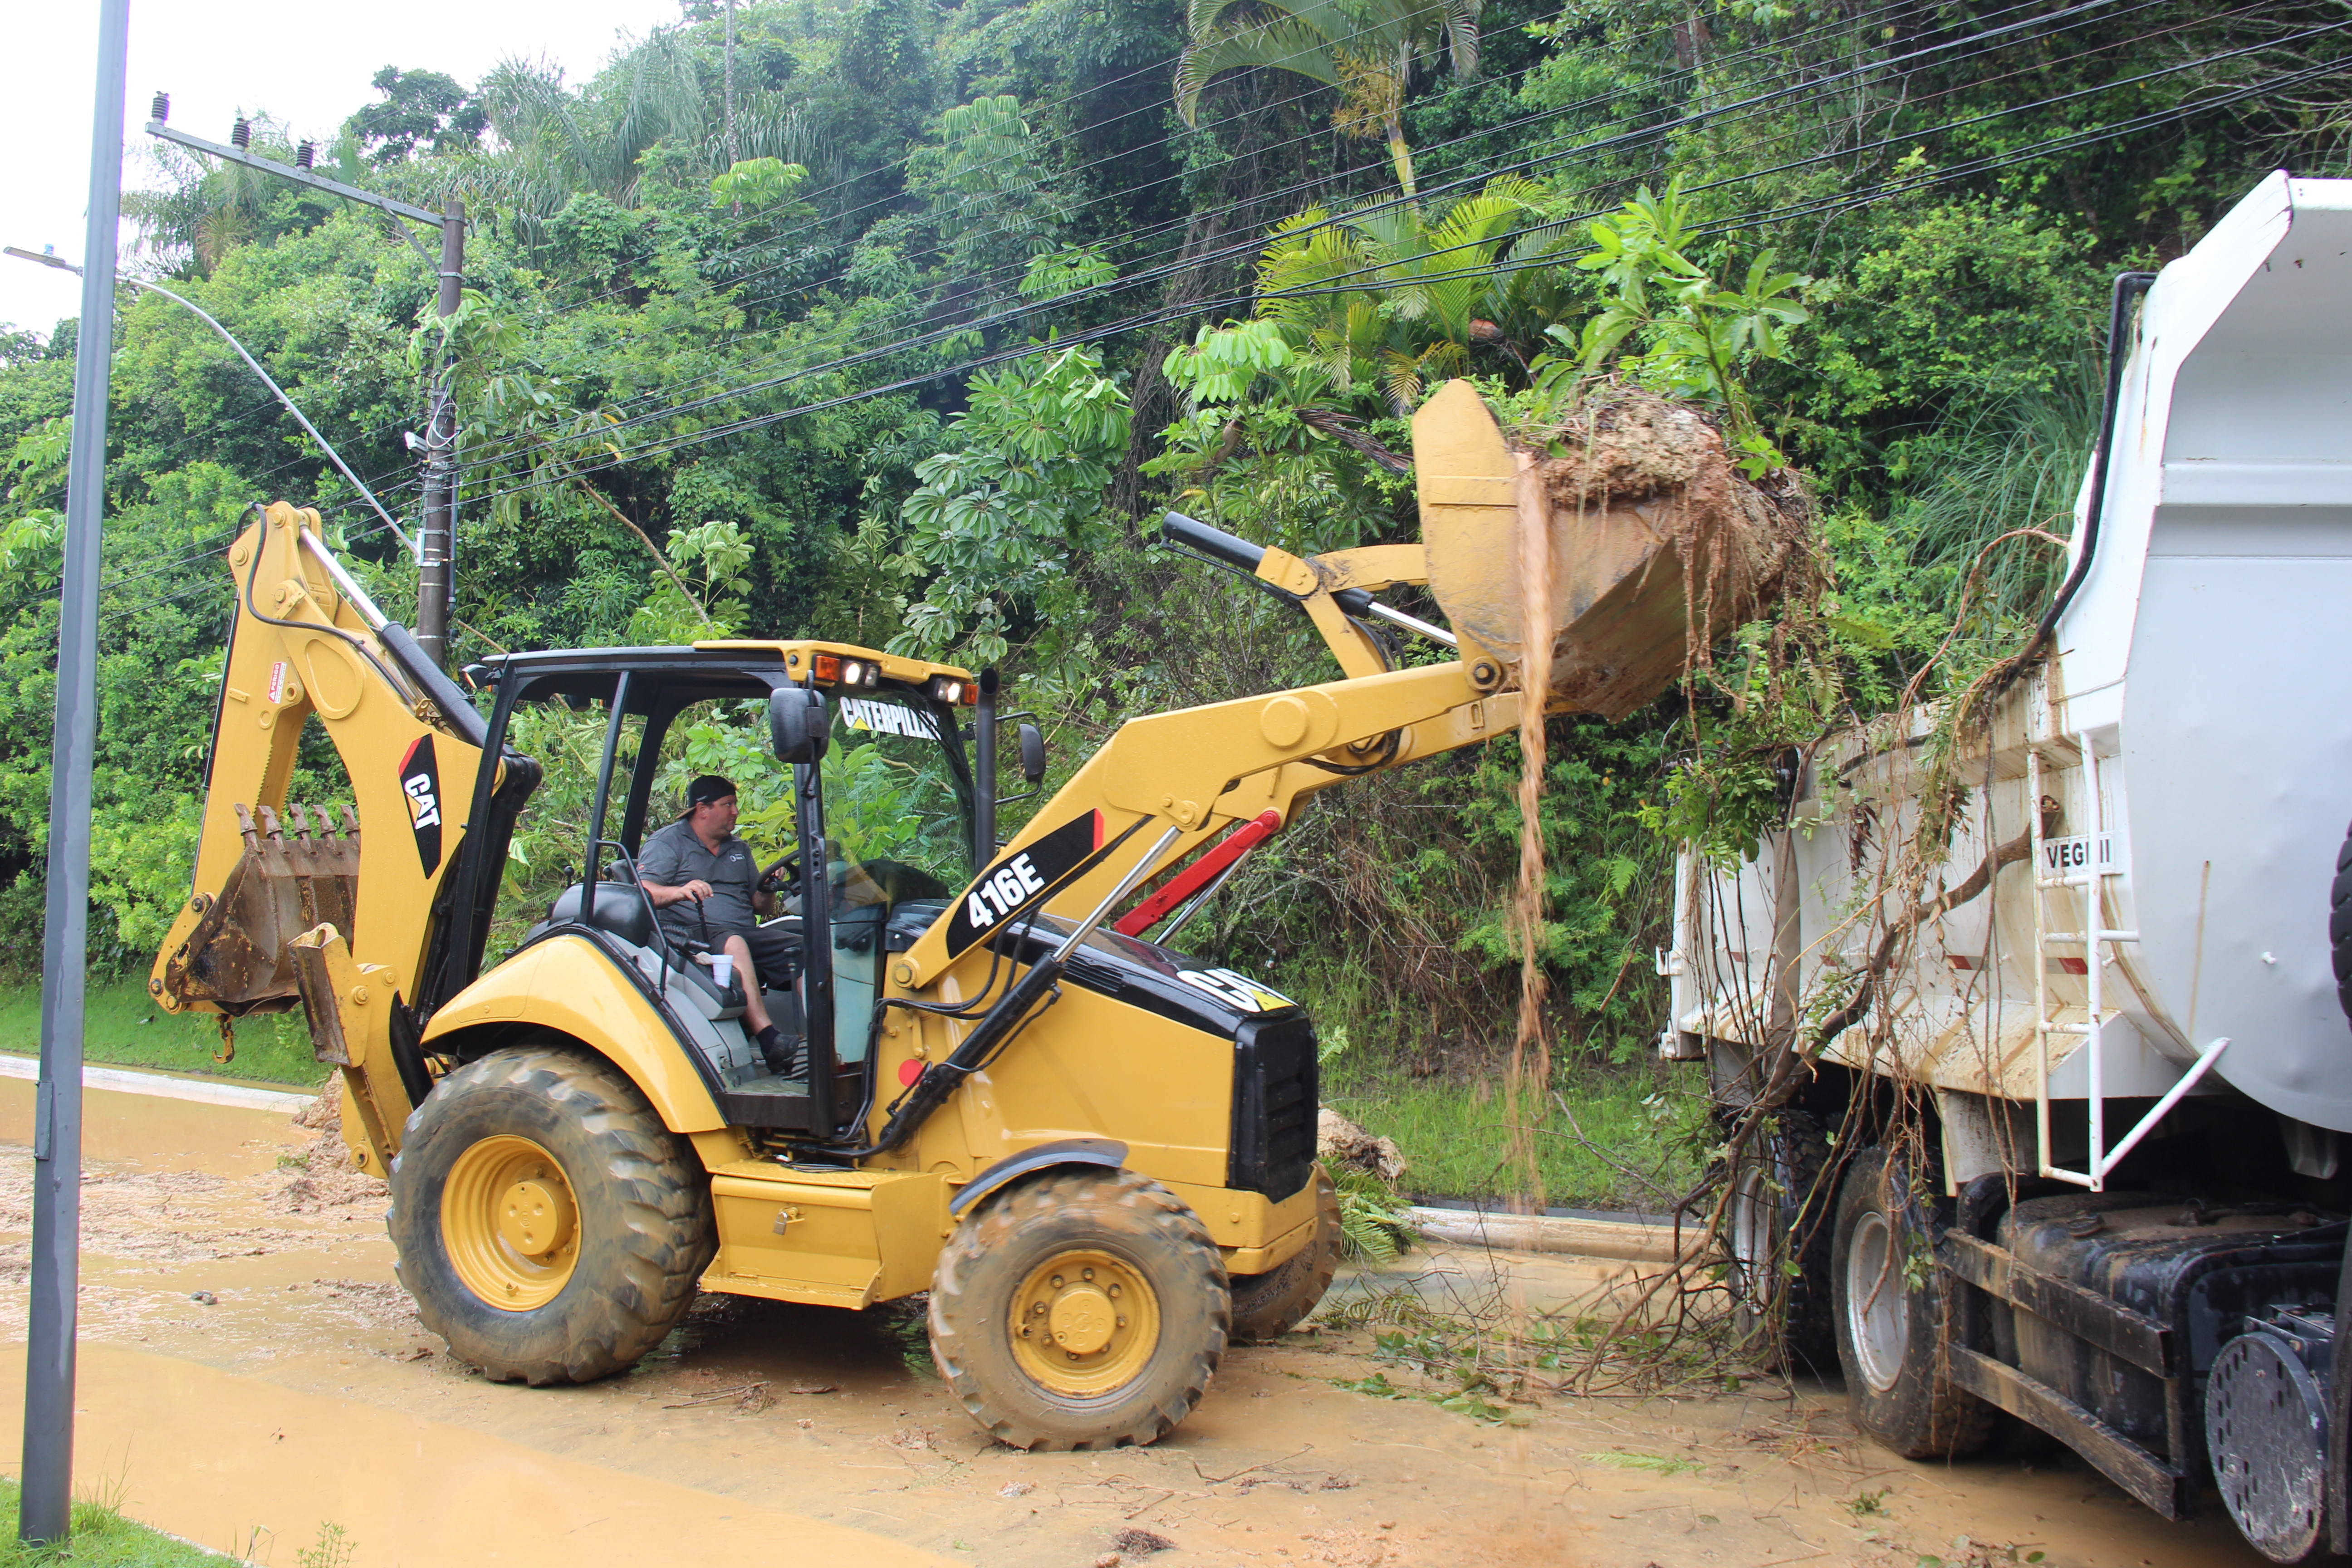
{"points": [[251, 1373]]}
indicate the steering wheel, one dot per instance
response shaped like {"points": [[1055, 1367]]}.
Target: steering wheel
{"points": [[770, 882]]}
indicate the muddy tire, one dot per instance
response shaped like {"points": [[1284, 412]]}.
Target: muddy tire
{"points": [[1896, 1314], [549, 1227], [1269, 1305], [1083, 1309], [1778, 1237]]}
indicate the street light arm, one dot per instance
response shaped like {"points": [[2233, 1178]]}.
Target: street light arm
{"points": [[62, 265], [288, 172]]}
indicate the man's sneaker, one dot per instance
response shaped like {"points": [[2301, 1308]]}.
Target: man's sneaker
{"points": [[783, 1056]]}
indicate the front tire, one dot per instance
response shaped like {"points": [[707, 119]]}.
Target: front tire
{"points": [[1083, 1309], [1269, 1305], [549, 1227], [1895, 1315]]}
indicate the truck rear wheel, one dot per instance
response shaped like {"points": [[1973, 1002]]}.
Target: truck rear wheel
{"points": [[1083, 1309], [549, 1227], [1269, 1305], [1895, 1314], [1777, 1233]]}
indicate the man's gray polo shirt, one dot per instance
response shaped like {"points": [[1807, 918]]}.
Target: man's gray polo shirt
{"points": [[674, 857]]}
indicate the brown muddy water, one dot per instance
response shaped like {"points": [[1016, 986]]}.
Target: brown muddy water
{"points": [[251, 1375]]}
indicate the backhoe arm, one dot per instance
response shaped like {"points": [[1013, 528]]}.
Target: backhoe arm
{"points": [[289, 904]]}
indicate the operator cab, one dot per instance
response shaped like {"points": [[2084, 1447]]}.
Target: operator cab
{"points": [[881, 802]]}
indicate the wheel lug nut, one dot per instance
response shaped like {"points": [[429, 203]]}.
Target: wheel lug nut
{"points": [[1114, 1293], [1057, 1281], [1086, 1274]]}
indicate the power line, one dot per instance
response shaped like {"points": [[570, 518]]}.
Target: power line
{"points": [[985, 281], [1256, 244], [995, 277]]}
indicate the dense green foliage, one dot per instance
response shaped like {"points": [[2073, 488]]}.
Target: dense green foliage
{"points": [[912, 351]]}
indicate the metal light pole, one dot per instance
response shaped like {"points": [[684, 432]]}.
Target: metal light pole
{"points": [[46, 1513], [367, 495]]}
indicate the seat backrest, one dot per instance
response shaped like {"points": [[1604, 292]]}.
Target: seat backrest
{"points": [[620, 909]]}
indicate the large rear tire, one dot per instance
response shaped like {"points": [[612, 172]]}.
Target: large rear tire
{"points": [[549, 1227], [1778, 1239], [1083, 1309], [1269, 1305], [1896, 1316]]}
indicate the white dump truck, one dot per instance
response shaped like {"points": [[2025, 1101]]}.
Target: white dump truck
{"points": [[2079, 1156]]}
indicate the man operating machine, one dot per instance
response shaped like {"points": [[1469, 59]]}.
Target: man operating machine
{"points": [[706, 890]]}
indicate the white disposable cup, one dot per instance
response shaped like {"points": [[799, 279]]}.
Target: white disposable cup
{"points": [[722, 968]]}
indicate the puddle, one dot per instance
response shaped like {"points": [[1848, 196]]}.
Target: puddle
{"points": [[761, 1424]]}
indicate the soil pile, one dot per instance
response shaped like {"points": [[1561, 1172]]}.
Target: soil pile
{"points": [[1339, 1142], [321, 1177], [1659, 546]]}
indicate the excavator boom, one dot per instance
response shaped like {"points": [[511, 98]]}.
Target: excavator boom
{"points": [[275, 915]]}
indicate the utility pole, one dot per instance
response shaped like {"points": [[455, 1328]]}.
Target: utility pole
{"points": [[435, 582], [734, 153], [45, 1509], [437, 540]]}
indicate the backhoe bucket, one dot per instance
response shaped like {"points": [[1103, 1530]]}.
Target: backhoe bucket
{"points": [[1638, 499], [237, 958]]}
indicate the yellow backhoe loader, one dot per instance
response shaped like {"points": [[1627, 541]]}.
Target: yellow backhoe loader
{"points": [[1095, 1153]]}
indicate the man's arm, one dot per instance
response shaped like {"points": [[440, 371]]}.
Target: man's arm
{"points": [[660, 862], [663, 896]]}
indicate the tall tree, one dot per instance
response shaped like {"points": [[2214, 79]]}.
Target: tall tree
{"points": [[1369, 49]]}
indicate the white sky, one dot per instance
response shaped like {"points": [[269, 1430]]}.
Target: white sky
{"points": [[308, 65]]}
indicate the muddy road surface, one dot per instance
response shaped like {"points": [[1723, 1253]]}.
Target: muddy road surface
{"points": [[252, 1378]]}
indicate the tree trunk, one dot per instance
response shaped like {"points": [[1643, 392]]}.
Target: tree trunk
{"points": [[1401, 155]]}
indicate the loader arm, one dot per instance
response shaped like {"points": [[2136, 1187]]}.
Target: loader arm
{"points": [[1166, 786], [295, 904]]}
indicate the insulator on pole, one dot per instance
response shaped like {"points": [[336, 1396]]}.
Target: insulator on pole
{"points": [[240, 135], [304, 154], [160, 109]]}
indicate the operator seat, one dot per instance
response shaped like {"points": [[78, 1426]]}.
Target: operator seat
{"points": [[620, 910]]}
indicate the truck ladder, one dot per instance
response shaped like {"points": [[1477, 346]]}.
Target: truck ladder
{"points": [[2095, 940]]}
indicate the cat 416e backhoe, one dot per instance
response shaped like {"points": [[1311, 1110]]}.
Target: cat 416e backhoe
{"points": [[1095, 1153]]}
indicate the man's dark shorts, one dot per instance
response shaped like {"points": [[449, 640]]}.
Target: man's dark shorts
{"points": [[775, 954]]}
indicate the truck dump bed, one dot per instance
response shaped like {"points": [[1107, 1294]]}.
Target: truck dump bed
{"points": [[2185, 752]]}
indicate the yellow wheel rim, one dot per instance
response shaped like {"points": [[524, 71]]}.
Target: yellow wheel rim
{"points": [[1085, 1323], [510, 1224]]}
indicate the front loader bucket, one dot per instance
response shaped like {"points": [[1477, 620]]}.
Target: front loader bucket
{"points": [[1639, 502], [237, 958]]}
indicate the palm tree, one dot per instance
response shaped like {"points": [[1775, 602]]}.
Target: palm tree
{"points": [[1394, 298], [1369, 49]]}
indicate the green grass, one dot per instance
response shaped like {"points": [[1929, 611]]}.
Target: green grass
{"points": [[102, 1539], [1622, 1142], [122, 1028]]}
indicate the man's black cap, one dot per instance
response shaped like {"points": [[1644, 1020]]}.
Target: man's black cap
{"points": [[708, 790]]}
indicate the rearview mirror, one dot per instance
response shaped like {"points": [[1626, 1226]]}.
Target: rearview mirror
{"points": [[1032, 754], [798, 724]]}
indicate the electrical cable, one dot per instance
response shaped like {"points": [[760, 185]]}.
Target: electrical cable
{"points": [[1371, 165], [694, 405], [2064, 143]]}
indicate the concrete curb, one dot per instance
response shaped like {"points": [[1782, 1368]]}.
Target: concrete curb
{"points": [[122, 1080], [1632, 1240]]}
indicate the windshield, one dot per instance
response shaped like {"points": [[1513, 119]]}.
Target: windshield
{"points": [[896, 794]]}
